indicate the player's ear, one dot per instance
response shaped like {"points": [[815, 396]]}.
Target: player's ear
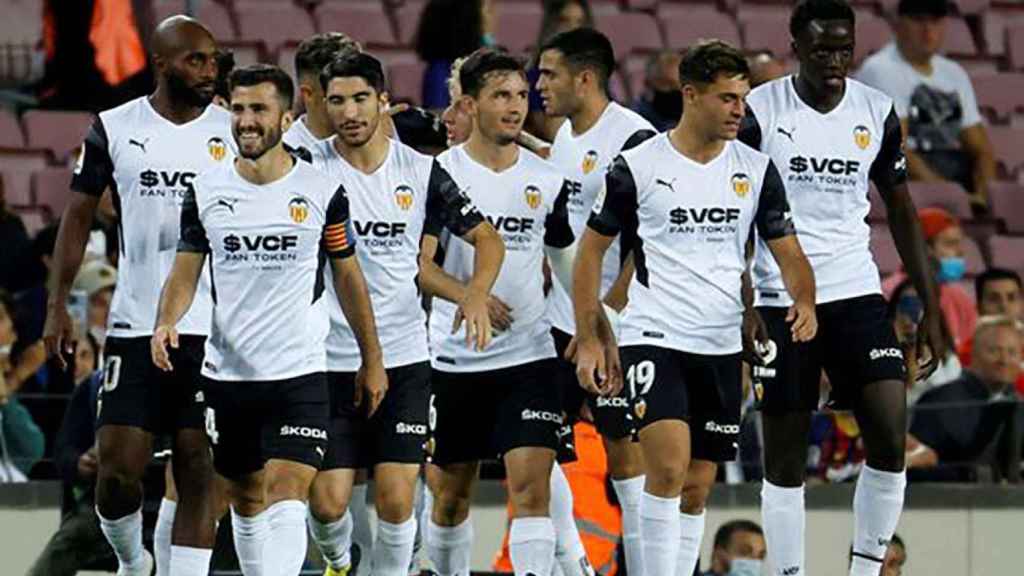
{"points": [[286, 120], [468, 104], [384, 100]]}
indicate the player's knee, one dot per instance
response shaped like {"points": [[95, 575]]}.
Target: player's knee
{"points": [[695, 497], [530, 496], [394, 506], [193, 472], [451, 506], [246, 497], [888, 455], [625, 459], [667, 476], [286, 487]]}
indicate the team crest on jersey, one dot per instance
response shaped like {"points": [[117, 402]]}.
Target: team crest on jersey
{"points": [[532, 196], [741, 184], [80, 162], [862, 137], [403, 197], [589, 161], [640, 408], [217, 148], [298, 209]]}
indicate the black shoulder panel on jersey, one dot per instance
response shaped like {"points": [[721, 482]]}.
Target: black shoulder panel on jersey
{"points": [[750, 130], [192, 237], [638, 138], [447, 206], [557, 231], [773, 218], [300, 152], [338, 239], [94, 172], [890, 166], [618, 207]]}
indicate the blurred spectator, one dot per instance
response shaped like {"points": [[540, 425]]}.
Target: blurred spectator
{"points": [[934, 99], [225, 64], [457, 121], [955, 423], [739, 550], [906, 311], [945, 246], [447, 30], [97, 279], [87, 357], [559, 16], [764, 67], [21, 441], [15, 242], [895, 557], [999, 293], [837, 448], [662, 102], [21, 357]]}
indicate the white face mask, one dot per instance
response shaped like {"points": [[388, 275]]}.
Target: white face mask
{"points": [[745, 567]]}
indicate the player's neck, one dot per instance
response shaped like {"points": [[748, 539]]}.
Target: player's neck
{"points": [[317, 123], [176, 112], [821, 99], [497, 157], [589, 113], [273, 165], [368, 157], [693, 143], [922, 63]]}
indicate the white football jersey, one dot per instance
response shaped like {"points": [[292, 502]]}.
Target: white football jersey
{"points": [[826, 161], [526, 203], [150, 164], [692, 223], [583, 160], [266, 247], [388, 209], [299, 136]]}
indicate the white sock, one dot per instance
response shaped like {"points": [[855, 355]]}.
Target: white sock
{"points": [[782, 512], [877, 504], [392, 551], [424, 504], [162, 536], [691, 533], [362, 535], [449, 549], [187, 561], [286, 544], [659, 528], [569, 551], [250, 535], [629, 492], [531, 545], [125, 537], [333, 539]]}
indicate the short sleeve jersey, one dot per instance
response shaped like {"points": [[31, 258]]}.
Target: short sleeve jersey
{"points": [[692, 222], [298, 136], [826, 162], [150, 164], [266, 246], [388, 209], [526, 203], [583, 159]]}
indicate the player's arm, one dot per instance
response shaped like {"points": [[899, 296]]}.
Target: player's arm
{"points": [[534, 144], [775, 225], [919, 454], [976, 143], [180, 287], [889, 173], [917, 168], [559, 240], [92, 176]]}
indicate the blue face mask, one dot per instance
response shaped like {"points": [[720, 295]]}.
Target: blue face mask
{"points": [[951, 269], [745, 567], [489, 40]]}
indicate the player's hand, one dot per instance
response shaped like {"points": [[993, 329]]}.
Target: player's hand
{"points": [[57, 333], [499, 313], [162, 337], [388, 122], [755, 337], [804, 321], [371, 386], [473, 309], [931, 344], [598, 367], [87, 464]]}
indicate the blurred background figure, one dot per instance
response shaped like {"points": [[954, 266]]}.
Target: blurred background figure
{"points": [[662, 102], [905, 311], [895, 557], [764, 67], [998, 291], [739, 550], [97, 280], [449, 29], [22, 443], [15, 241]]}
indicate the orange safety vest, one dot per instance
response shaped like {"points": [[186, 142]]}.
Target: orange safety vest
{"points": [[599, 521], [119, 51]]}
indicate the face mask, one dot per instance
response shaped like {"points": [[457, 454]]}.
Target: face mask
{"points": [[488, 40], [745, 567], [951, 269], [668, 104]]}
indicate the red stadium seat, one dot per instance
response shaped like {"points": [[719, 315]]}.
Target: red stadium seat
{"points": [[1006, 201], [1007, 252], [766, 28], [999, 95], [1015, 45], [57, 131], [873, 33], [17, 168], [972, 257], [51, 189], [407, 17], [959, 41], [884, 250], [33, 217], [405, 80], [630, 31], [246, 52], [683, 29], [214, 15], [14, 192], [518, 26], [10, 131], [273, 23], [642, 5], [363, 20], [1008, 142], [947, 195]]}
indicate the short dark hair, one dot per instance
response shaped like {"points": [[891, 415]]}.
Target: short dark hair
{"points": [[992, 275], [319, 50], [724, 534], [807, 10], [257, 74], [225, 64], [481, 63], [357, 64], [585, 48], [705, 61]]}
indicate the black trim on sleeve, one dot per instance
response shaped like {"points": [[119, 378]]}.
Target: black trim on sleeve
{"points": [[193, 236], [557, 231], [638, 138], [94, 171], [773, 218], [300, 152], [447, 206], [890, 166], [616, 203], [750, 130], [339, 241]]}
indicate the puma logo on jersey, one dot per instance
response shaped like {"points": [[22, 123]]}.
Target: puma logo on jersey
{"points": [[791, 571], [229, 205], [666, 184], [787, 133], [141, 145]]}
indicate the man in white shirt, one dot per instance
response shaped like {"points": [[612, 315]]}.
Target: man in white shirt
{"points": [[946, 139]]}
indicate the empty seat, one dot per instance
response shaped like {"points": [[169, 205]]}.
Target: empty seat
{"points": [[246, 53], [10, 131], [999, 94], [407, 17], [995, 26], [214, 15], [13, 191], [33, 217], [273, 23], [647, 5], [884, 250], [363, 20], [872, 34], [1008, 143], [22, 22], [17, 168], [1007, 252], [51, 189], [517, 30], [1015, 45], [630, 31], [405, 81], [57, 131], [766, 30], [959, 41], [683, 29], [947, 195], [973, 259], [1006, 202]]}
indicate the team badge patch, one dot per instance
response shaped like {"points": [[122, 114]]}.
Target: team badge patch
{"points": [[80, 161], [589, 162], [640, 408], [217, 148], [403, 197], [298, 209], [533, 197], [741, 184], [862, 137]]}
